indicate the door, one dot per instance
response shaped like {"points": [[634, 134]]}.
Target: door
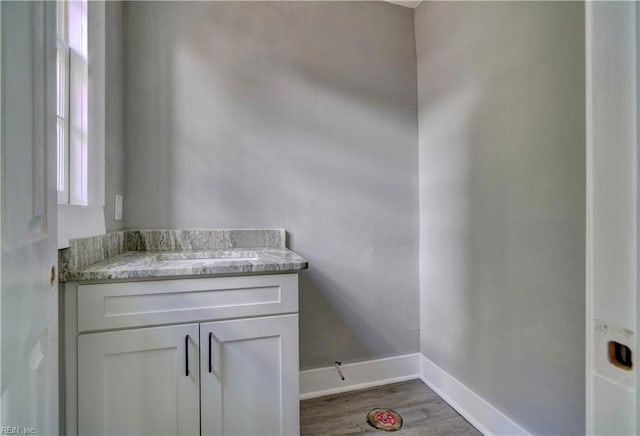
{"points": [[139, 382], [612, 218], [28, 288], [250, 376]]}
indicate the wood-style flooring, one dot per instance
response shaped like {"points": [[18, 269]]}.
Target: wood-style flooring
{"points": [[424, 413]]}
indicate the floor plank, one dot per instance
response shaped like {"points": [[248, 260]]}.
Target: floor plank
{"points": [[423, 412]]}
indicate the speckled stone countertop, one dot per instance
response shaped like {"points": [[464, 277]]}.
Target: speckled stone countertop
{"points": [[140, 254]]}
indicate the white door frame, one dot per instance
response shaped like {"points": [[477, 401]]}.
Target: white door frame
{"points": [[612, 243], [1, 145]]}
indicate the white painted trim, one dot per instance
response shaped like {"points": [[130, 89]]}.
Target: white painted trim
{"points": [[361, 375], [96, 116], [637, 53], [325, 381], [84, 216], [80, 154], [589, 238], [2, 423], [475, 409], [612, 47]]}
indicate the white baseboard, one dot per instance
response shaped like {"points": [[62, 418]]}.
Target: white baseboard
{"points": [[325, 381], [482, 415], [475, 409]]}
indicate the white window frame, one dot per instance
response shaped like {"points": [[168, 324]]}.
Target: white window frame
{"points": [[73, 120], [62, 102], [82, 215]]}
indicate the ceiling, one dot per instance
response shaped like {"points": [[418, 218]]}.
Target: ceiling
{"points": [[408, 4]]}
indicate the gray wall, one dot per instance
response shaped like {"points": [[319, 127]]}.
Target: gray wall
{"points": [[502, 209], [114, 114], [296, 115]]}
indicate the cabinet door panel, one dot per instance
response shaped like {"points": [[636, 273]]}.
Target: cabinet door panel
{"points": [[250, 376], [134, 382]]}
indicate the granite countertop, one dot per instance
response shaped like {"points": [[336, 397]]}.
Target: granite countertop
{"points": [[176, 253], [140, 264]]}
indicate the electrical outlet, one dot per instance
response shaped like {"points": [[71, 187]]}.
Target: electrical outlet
{"points": [[118, 207]]}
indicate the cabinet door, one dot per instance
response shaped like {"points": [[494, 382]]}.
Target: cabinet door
{"points": [[250, 376], [139, 382]]}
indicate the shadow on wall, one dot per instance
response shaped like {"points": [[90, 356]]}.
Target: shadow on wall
{"points": [[294, 115], [149, 108], [502, 204], [328, 322]]}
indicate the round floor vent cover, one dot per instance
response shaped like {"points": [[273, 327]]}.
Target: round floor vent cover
{"points": [[384, 419]]}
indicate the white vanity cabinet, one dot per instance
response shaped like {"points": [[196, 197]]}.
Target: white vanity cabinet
{"points": [[245, 376], [135, 382], [211, 356]]}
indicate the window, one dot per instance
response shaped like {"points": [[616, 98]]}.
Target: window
{"points": [[62, 106], [71, 108], [81, 37]]}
